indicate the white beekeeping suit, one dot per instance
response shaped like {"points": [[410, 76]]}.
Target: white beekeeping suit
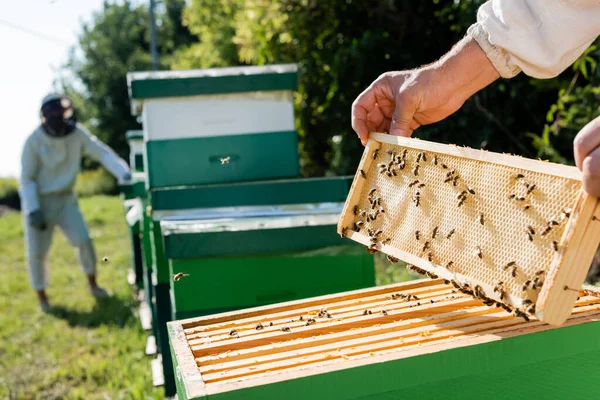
{"points": [[50, 162]]}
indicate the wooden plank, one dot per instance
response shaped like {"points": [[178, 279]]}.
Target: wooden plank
{"points": [[196, 324], [186, 370], [334, 365], [344, 225], [508, 160], [563, 281]]}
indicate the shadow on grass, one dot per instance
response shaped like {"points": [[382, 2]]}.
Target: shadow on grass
{"points": [[107, 311]]}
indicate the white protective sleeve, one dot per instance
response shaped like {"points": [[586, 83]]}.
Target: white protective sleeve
{"points": [[539, 37], [28, 186], [104, 155]]}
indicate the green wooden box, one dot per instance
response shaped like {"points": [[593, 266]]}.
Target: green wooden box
{"points": [[379, 344], [135, 139], [261, 255], [217, 125]]}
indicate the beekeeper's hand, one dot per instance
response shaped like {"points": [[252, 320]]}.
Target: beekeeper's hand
{"points": [[586, 147], [401, 101], [36, 219]]}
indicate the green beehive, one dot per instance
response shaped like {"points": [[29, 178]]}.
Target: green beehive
{"points": [[217, 125], [415, 340]]}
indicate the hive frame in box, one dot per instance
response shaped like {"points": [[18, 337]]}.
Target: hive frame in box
{"points": [[413, 347], [569, 266]]}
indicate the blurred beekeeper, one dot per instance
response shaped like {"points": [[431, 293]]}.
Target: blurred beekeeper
{"points": [[49, 165]]}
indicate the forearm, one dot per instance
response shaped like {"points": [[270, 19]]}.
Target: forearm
{"points": [[464, 70]]}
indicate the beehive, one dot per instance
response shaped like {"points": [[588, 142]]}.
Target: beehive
{"points": [[501, 227], [420, 338]]}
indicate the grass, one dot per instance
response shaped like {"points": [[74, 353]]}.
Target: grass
{"points": [[85, 349]]}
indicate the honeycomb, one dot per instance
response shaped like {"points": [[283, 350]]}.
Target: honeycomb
{"points": [[479, 222]]}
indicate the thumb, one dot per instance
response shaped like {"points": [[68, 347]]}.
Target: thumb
{"points": [[402, 118]]}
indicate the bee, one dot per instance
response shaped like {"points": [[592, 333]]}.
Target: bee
{"points": [[360, 224], [527, 302], [404, 153], [555, 245], [552, 222], [344, 231], [429, 257], [470, 189], [382, 166], [479, 292], [478, 252], [372, 192], [519, 176], [419, 156], [455, 180], [530, 189], [540, 272], [426, 246], [512, 196], [526, 285], [530, 229], [594, 218], [417, 199], [547, 230], [529, 237], [462, 201], [225, 160], [233, 332], [521, 198], [481, 220], [424, 156], [526, 207], [367, 312], [372, 250], [521, 314], [422, 185], [514, 272], [450, 173], [392, 259], [499, 288], [402, 164], [531, 310], [390, 152], [566, 212], [105, 259], [444, 166], [416, 170], [355, 210], [448, 179], [310, 321], [178, 276], [384, 312], [417, 235], [286, 329], [387, 241], [394, 172], [270, 324], [449, 264], [510, 264], [413, 183], [461, 194], [435, 160], [375, 154], [362, 173], [449, 235], [434, 233], [259, 326], [378, 233]]}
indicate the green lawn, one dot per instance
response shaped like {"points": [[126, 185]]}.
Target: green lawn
{"points": [[84, 349]]}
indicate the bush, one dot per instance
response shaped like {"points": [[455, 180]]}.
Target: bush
{"points": [[95, 182], [9, 193]]}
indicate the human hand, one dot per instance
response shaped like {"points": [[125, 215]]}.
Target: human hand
{"points": [[36, 219], [399, 102], [586, 147]]}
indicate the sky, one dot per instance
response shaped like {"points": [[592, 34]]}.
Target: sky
{"points": [[35, 38]]}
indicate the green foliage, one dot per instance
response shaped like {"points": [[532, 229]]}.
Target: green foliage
{"points": [[115, 42], [85, 349], [9, 193], [342, 46], [95, 182]]}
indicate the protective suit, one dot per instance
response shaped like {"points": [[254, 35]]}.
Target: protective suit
{"points": [[49, 165]]}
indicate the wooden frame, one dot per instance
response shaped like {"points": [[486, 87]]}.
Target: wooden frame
{"points": [[577, 245], [469, 334]]}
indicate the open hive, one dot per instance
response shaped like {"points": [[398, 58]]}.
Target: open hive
{"points": [[502, 228], [394, 341]]}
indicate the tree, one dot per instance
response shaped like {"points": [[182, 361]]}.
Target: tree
{"points": [[114, 42], [341, 47]]}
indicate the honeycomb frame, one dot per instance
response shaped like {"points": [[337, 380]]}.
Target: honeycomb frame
{"points": [[507, 229]]}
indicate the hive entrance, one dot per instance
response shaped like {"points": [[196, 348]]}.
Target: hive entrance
{"points": [[497, 225]]}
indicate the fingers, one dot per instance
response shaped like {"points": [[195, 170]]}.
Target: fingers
{"points": [[403, 123], [586, 141], [591, 173]]}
